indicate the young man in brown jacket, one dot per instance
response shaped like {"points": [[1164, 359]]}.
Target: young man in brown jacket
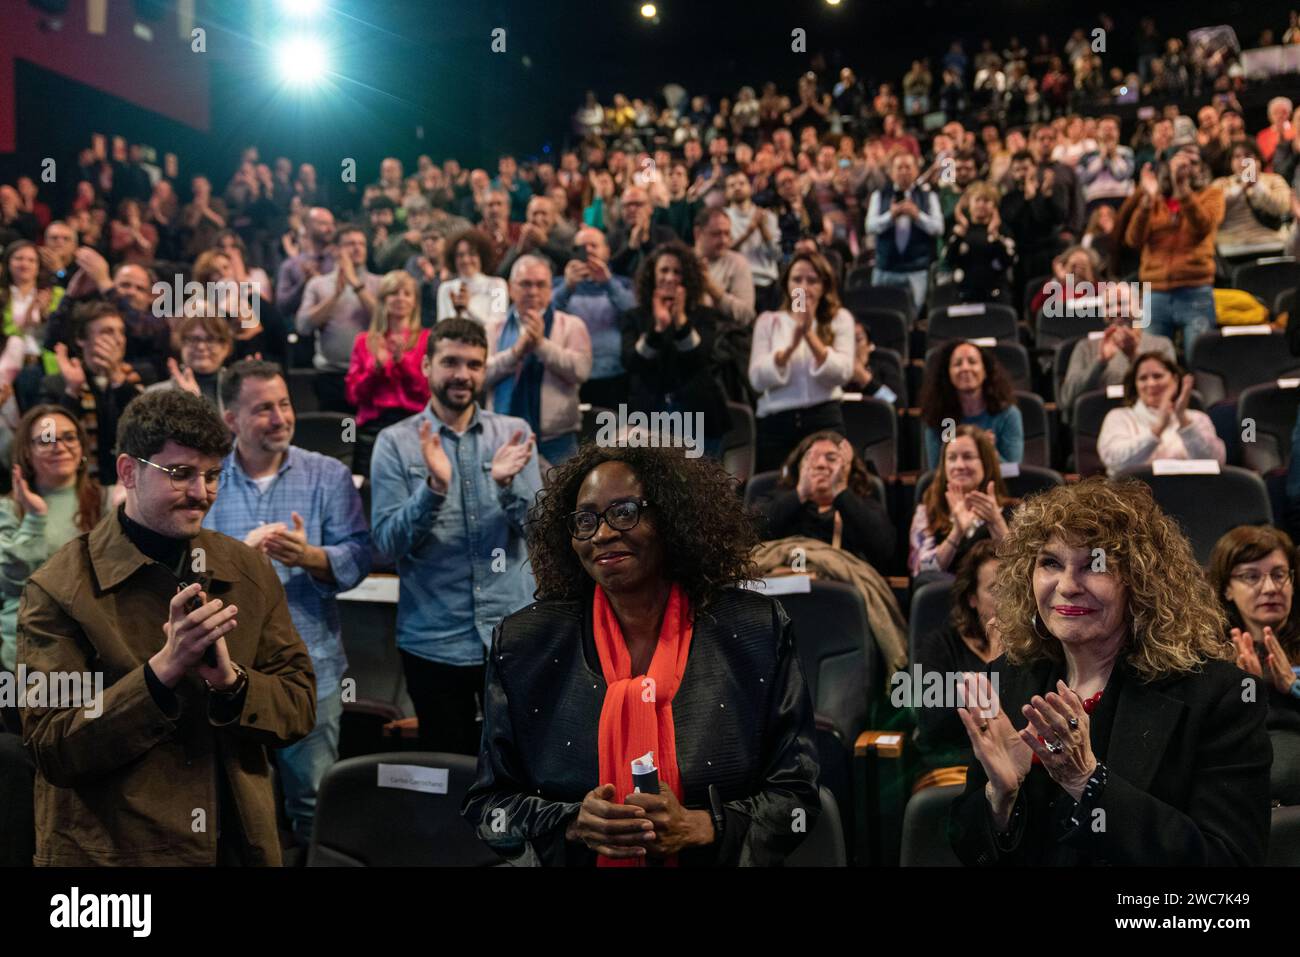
{"points": [[170, 767]]}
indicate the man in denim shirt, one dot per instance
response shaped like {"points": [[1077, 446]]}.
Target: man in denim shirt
{"points": [[452, 486], [300, 509]]}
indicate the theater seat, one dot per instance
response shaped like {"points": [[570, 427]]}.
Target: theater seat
{"points": [[931, 605], [837, 652], [738, 445], [324, 432], [591, 418], [302, 391], [1207, 506], [886, 297], [872, 426], [925, 822], [360, 823], [1273, 409], [1226, 365], [824, 844], [978, 320], [1284, 837], [887, 328], [1033, 415], [1267, 277]]}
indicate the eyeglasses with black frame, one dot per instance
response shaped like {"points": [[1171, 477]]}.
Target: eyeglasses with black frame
{"points": [[182, 476], [621, 516]]}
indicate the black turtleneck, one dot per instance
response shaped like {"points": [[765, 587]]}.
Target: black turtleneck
{"points": [[163, 549]]}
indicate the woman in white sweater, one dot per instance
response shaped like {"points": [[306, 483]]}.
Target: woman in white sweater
{"points": [[475, 293], [801, 357], [1155, 422]]}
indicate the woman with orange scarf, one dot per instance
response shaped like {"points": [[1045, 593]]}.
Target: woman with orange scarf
{"points": [[640, 651]]}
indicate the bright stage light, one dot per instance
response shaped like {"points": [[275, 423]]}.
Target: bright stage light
{"points": [[649, 11], [833, 3], [302, 61], [301, 8]]}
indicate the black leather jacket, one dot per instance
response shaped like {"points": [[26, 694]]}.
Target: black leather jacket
{"points": [[742, 716]]}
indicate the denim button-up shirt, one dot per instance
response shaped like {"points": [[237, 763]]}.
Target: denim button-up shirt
{"points": [[320, 489], [461, 557]]}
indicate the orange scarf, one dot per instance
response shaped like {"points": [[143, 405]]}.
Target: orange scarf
{"points": [[637, 715]]}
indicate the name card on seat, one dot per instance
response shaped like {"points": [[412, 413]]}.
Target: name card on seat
{"points": [[381, 588], [1115, 391], [984, 342], [413, 777], [782, 585], [1264, 330], [1185, 467], [1097, 334], [1288, 383], [967, 309], [1009, 469]]}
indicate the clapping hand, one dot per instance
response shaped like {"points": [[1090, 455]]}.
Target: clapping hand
{"points": [[1060, 719], [962, 515], [511, 458], [27, 499], [998, 746], [287, 546], [435, 458], [183, 377], [73, 372]]}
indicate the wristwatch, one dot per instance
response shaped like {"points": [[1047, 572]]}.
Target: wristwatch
{"points": [[241, 680]]}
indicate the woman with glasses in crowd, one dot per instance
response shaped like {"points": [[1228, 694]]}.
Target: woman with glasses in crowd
{"points": [[204, 343], [54, 499], [640, 653], [1252, 570]]}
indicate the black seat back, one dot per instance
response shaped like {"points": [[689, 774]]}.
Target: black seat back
{"points": [[1207, 506], [925, 828], [1272, 408], [370, 814]]}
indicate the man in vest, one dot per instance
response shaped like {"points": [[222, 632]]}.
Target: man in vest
{"points": [[906, 220]]}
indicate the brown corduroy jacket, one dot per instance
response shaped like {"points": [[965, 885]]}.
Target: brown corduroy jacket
{"points": [[1177, 248], [135, 785]]}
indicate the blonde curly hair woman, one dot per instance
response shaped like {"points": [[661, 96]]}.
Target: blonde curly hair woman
{"points": [[1116, 729]]}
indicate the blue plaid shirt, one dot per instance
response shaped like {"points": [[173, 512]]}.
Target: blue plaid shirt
{"points": [[320, 489], [461, 557]]}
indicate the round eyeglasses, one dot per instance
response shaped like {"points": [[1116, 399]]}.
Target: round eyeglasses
{"points": [[621, 516]]}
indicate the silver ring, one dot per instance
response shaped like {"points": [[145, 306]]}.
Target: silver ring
{"points": [[1054, 747], [1074, 724]]}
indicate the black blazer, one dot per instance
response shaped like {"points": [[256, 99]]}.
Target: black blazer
{"points": [[1188, 786], [674, 368], [742, 717]]}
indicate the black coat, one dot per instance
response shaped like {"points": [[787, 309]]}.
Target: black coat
{"points": [[1188, 784], [671, 367], [742, 717]]}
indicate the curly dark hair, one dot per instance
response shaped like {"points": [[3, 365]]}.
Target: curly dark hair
{"points": [[939, 399], [692, 278], [697, 513], [153, 418], [480, 242]]}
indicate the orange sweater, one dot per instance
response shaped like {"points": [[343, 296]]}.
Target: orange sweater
{"points": [[1177, 249]]}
